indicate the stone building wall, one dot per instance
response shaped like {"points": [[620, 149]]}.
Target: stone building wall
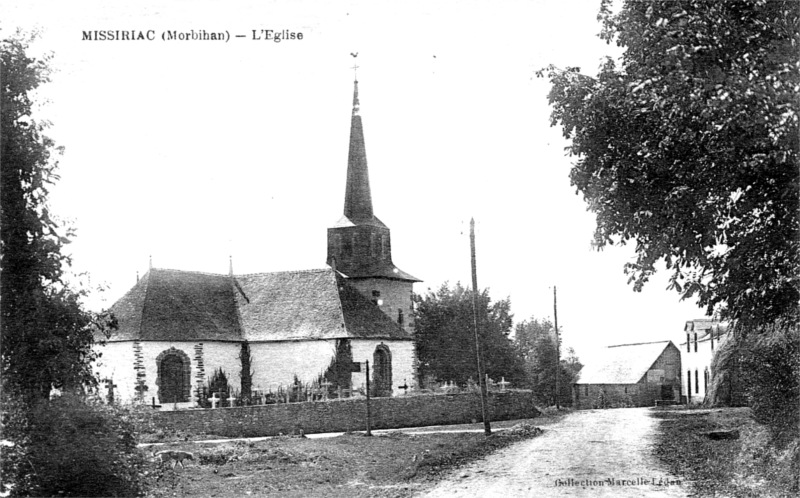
{"points": [[394, 295], [346, 415], [276, 364], [125, 361], [402, 353]]}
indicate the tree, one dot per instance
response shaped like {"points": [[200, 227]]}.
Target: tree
{"points": [[47, 336], [689, 148], [68, 446], [536, 343], [445, 337]]}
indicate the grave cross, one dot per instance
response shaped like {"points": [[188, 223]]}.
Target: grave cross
{"points": [[503, 384], [325, 385], [231, 400], [110, 395], [214, 400]]}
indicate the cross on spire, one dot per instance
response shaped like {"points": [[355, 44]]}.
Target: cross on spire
{"points": [[355, 66]]}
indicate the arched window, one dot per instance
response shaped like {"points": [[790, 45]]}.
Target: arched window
{"points": [[382, 371], [174, 376]]}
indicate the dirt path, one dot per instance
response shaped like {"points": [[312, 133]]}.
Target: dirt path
{"points": [[579, 456]]}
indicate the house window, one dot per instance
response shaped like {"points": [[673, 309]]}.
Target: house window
{"points": [[688, 385], [688, 343], [626, 390], [712, 340], [400, 318], [376, 297], [696, 382], [586, 392], [695, 342], [705, 380]]}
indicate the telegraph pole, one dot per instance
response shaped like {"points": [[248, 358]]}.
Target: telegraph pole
{"points": [[487, 429], [369, 415], [558, 345]]}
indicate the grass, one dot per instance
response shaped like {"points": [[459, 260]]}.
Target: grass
{"points": [[745, 467], [394, 464]]}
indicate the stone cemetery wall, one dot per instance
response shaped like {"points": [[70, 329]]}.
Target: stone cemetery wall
{"points": [[347, 414]]}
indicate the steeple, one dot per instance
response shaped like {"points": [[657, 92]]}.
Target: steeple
{"points": [[357, 197], [359, 245]]}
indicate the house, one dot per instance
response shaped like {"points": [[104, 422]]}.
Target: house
{"points": [[630, 375], [272, 330], [704, 337]]}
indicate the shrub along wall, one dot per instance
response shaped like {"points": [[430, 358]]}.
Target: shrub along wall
{"points": [[347, 415]]}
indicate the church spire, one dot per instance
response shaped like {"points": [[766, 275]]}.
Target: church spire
{"points": [[359, 245], [357, 198]]}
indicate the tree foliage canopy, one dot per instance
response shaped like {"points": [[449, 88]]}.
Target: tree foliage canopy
{"points": [[445, 337], [47, 336], [536, 342], [688, 146]]}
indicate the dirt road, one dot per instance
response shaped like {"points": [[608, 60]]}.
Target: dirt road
{"points": [[589, 453]]}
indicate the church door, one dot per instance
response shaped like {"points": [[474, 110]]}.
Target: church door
{"points": [[382, 374], [172, 379]]}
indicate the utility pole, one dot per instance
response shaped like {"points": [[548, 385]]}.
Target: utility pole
{"points": [[369, 415], [487, 429], [558, 345]]}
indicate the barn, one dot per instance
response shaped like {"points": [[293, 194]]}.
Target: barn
{"points": [[630, 375]]}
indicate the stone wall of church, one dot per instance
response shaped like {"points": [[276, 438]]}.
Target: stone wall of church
{"points": [[275, 364], [394, 296], [122, 361], [402, 353]]}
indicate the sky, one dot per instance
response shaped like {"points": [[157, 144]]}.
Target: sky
{"points": [[194, 152]]}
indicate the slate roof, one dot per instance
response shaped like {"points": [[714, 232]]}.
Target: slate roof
{"points": [[385, 269], [622, 364], [173, 305]]}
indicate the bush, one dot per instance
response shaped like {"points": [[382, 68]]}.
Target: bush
{"points": [[73, 446], [772, 368]]}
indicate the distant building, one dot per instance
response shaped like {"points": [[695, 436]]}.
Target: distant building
{"points": [[176, 328], [703, 339], [630, 375]]}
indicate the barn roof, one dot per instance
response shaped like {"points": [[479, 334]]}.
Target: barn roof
{"points": [[623, 364], [173, 305]]}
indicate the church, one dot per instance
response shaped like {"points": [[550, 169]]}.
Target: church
{"points": [[176, 328]]}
